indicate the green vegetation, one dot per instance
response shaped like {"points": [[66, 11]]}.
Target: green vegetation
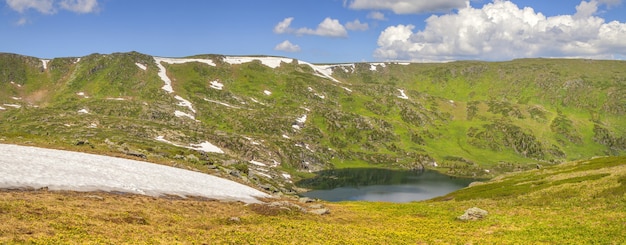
{"points": [[476, 119], [516, 122]]}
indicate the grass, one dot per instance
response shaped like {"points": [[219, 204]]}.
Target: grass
{"points": [[574, 203]]}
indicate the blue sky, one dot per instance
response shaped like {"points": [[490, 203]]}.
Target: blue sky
{"points": [[320, 31]]}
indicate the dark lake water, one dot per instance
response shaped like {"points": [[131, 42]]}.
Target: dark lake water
{"points": [[380, 185]]}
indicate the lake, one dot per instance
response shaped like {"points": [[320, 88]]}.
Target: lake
{"points": [[371, 184]]}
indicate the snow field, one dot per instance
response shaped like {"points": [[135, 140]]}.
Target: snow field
{"points": [[23, 166]]}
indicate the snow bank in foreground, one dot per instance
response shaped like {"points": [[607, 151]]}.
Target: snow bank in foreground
{"points": [[23, 166]]}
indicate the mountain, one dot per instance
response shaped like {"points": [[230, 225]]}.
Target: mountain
{"points": [[270, 121]]}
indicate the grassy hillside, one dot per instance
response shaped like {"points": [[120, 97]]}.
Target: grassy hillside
{"points": [[579, 202], [461, 118]]}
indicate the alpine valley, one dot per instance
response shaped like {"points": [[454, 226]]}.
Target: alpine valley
{"points": [[549, 134]]}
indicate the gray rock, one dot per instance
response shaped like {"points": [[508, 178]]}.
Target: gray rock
{"points": [[234, 219], [473, 214], [475, 183], [316, 206], [305, 200], [286, 205], [136, 154], [235, 173], [320, 211]]}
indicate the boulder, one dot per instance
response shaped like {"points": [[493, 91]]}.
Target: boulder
{"points": [[316, 206], [320, 211], [305, 200], [473, 214]]}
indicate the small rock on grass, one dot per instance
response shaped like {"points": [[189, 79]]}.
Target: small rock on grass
{"points": [[473, 214], [320, 211]]}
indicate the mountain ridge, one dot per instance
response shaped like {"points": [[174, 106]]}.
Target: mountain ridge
{"points": [[293, 118]]}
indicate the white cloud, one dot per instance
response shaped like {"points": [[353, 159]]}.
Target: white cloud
{"points": [[52, 6], [356, 25], [22, 21], [42, 6], [408, 6], [287, 47], [501, 31], [328, 28], [79, 6], [376, 15], [283, 26]]}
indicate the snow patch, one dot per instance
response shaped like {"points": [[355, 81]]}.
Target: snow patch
{"points": [[163, 72], [183, 60], [256, 101], [163, 75], [347, 89], [185, 103], [183, 114], [267, 92], [24, 166], [262, 174], [119, 99], [272, 62], [206, 147], [13, 105], [322, 71], [45, 64], [93, 125], [16, 98], [83, 111], [286, 176], [258, 163], [374, 66], [402, 95], [217, 85], [82, 94], [141, 66], [285, 136], [2, 108], [222, 103], [301, 119]]}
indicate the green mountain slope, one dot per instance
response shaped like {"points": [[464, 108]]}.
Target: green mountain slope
{"points": [[272, 120]]}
